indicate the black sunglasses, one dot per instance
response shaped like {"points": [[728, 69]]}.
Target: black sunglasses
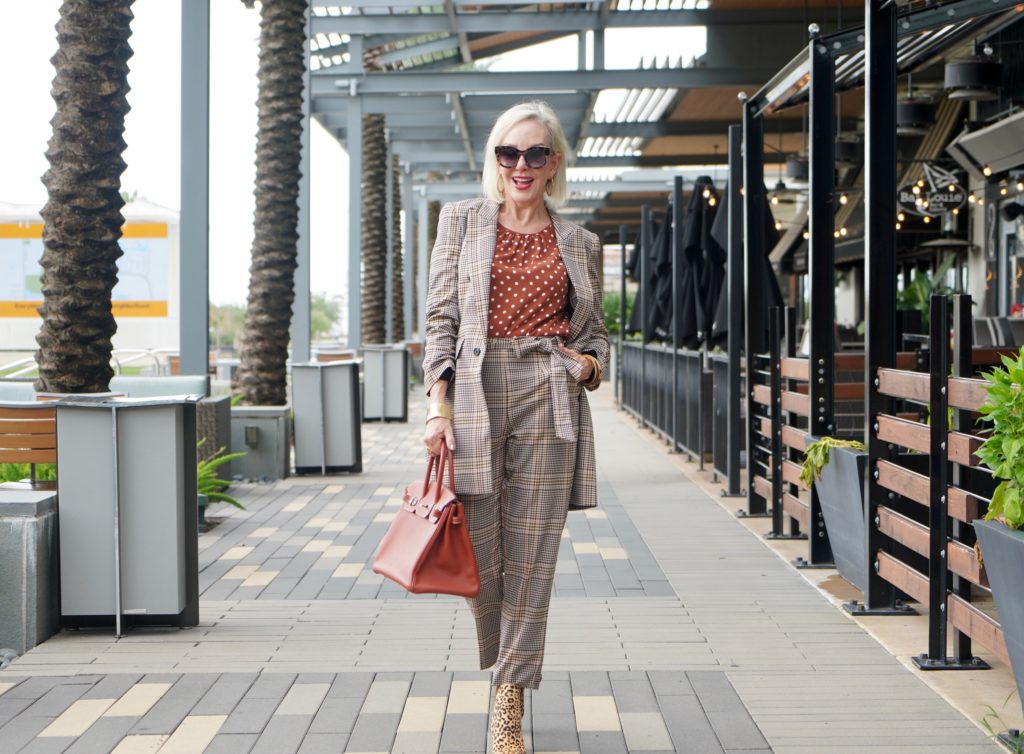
{"points": [[536, 157]]}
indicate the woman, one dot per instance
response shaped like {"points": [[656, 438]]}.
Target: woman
{"points": [[515, 331]]}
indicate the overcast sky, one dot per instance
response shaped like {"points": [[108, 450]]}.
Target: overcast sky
{"points": [[152, 129]]}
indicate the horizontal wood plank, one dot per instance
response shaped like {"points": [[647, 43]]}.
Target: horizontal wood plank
{"points": [[36, 441], [28, 426], [796, 403], [912, 386], [795, 369], [762, 395], [906, 434], [791, 473], [795, 438], [903, 577], [964, 562], [763, 487], [987, 356], [854, 362], [978, 625], [903, 530], [963, 506], [963, 448], [904, 482], [44, 411], [28, 456], [764, 426], [967, 393], [848, 391], [796, 508]]}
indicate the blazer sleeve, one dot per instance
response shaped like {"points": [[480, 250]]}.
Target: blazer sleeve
{"points": [[598, 342], [442, 305]]}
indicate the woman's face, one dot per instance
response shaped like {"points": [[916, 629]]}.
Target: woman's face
{"points": [[522, 184]]}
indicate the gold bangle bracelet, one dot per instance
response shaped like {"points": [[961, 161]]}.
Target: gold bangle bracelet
{"points": [[436, 410]]}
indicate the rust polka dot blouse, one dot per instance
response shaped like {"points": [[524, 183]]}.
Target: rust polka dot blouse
{"points": [[529, 285]]}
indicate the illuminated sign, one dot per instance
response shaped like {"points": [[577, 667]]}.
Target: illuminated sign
{"points": [[932, 196]]}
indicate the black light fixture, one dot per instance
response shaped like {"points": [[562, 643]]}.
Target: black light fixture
{"points": [[914, 116], [796, 168], [976, 78], [848, 152]]}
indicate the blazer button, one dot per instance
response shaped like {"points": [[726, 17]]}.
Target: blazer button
{"points": [[476, 351]]}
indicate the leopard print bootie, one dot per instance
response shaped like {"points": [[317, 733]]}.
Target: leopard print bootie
{"points": [[507, 721]]}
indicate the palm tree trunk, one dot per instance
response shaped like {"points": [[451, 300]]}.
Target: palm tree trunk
{"points": [[397, 273], [433, 215], [374, 234], [261, 375], [82, 218]]}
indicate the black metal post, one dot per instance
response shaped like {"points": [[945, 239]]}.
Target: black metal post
{"points": [[641, 301], [775, 412], [880, 273], [734, 291], [754, 288], [821, 281], [677, 303], [622, 318]]}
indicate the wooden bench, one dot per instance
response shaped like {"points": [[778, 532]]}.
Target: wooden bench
{"points": [[28, 434]]}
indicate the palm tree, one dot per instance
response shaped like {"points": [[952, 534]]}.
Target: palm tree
{"points": [[263, 359], [82, 218], [433, 215], [374, 230], [397, 277]]}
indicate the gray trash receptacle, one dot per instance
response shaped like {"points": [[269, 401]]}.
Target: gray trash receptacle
{"points": [[386, 382], [328, 427], [128, 544], [29, 579]]}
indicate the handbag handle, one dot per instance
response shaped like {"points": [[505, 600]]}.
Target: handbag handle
{"points": [[445, 458]]}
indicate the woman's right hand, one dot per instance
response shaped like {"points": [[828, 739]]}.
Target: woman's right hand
{"points": [[439, 430]]}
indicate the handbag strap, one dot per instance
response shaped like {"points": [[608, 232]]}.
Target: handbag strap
{"points": [[446, 458]]}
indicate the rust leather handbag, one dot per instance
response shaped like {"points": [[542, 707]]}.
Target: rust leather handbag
{"points": [[427, 549]]}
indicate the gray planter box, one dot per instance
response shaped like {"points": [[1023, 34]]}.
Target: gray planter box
{"points": [[841, 493], [263, 433], [328, 427], [1003, 551], [128, 545], [29, 576], [385, 383]]}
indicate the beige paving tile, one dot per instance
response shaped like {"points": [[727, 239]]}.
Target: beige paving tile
{"points": [[337, 551], [596, 713], [423, 714], [347, 570], [303, 699], [296, 505], [236, 553], [77, 718], [595, 514], [335, 526], [137, 700], [240, 573], [193, 735], [469, 697], [316, 522], [585, 548], [384, 491], [263, 532], [260, 578], [5, 686], [140, 745], [384, 517], [333, 489], [645, 731], [613, 553]]}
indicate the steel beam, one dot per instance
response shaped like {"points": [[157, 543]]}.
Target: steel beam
{"points": [[734, 294], [327, 83], [880, 265], [754, 288], [194, 256], [568, 21], [460, 121], [821, 274], [445, 44]]}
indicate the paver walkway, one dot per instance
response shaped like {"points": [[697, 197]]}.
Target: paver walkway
{"points": [[673, 628]]}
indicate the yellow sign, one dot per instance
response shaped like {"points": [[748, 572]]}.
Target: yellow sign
{"points": [[120, 308]]}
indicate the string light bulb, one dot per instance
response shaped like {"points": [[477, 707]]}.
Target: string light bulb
{"points": [[712, 201], [952, 187], [835, 234], [898, 226], [956, 210], [775, 198], [778, 225], [707, 193], [986, 171], [843, 199], [1003, 191], [972, 198], [843, 231], [807, 234], [926, 219], [1020, 185], [915, 190], [901, 217]]}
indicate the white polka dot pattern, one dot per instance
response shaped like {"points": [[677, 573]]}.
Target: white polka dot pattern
{"points": [[529, 285]]}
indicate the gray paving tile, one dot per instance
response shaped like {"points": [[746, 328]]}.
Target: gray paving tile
{"points": [[688, 725], [554, 732], [102, 736], [250, 716], [324, 743], [554, 697], [271, 686], [19, 731], [173, 706], [374, 731], [351, 685], [283, 735], [225, 693], [232, 743], [590, 683], [49, 746], [726, 712], [464, 733], [336, 715], [602, 742]]}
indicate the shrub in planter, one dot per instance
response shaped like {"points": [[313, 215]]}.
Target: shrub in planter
{"points": [[209, 486], [1002, 544], [837, 469]]}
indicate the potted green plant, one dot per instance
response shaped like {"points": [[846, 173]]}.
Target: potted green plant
{"points": [[209, 486], [1002, 542], [838, 470]]}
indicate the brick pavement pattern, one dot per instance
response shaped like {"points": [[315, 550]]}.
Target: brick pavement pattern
{"points": [[672, 629]]}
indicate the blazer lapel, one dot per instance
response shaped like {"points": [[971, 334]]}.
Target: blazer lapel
{"points": [[575, 264], [483, 238]]}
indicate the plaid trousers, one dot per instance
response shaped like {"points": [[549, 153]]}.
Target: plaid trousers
{"points": [[516, 529]]}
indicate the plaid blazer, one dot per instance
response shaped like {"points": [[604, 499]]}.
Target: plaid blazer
{"points": [[456, 327]]}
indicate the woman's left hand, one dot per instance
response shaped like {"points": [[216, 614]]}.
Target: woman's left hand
{"points": [[587, 366]]}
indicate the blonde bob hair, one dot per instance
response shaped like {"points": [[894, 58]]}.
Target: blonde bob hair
{"points": [[544, 114]]}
